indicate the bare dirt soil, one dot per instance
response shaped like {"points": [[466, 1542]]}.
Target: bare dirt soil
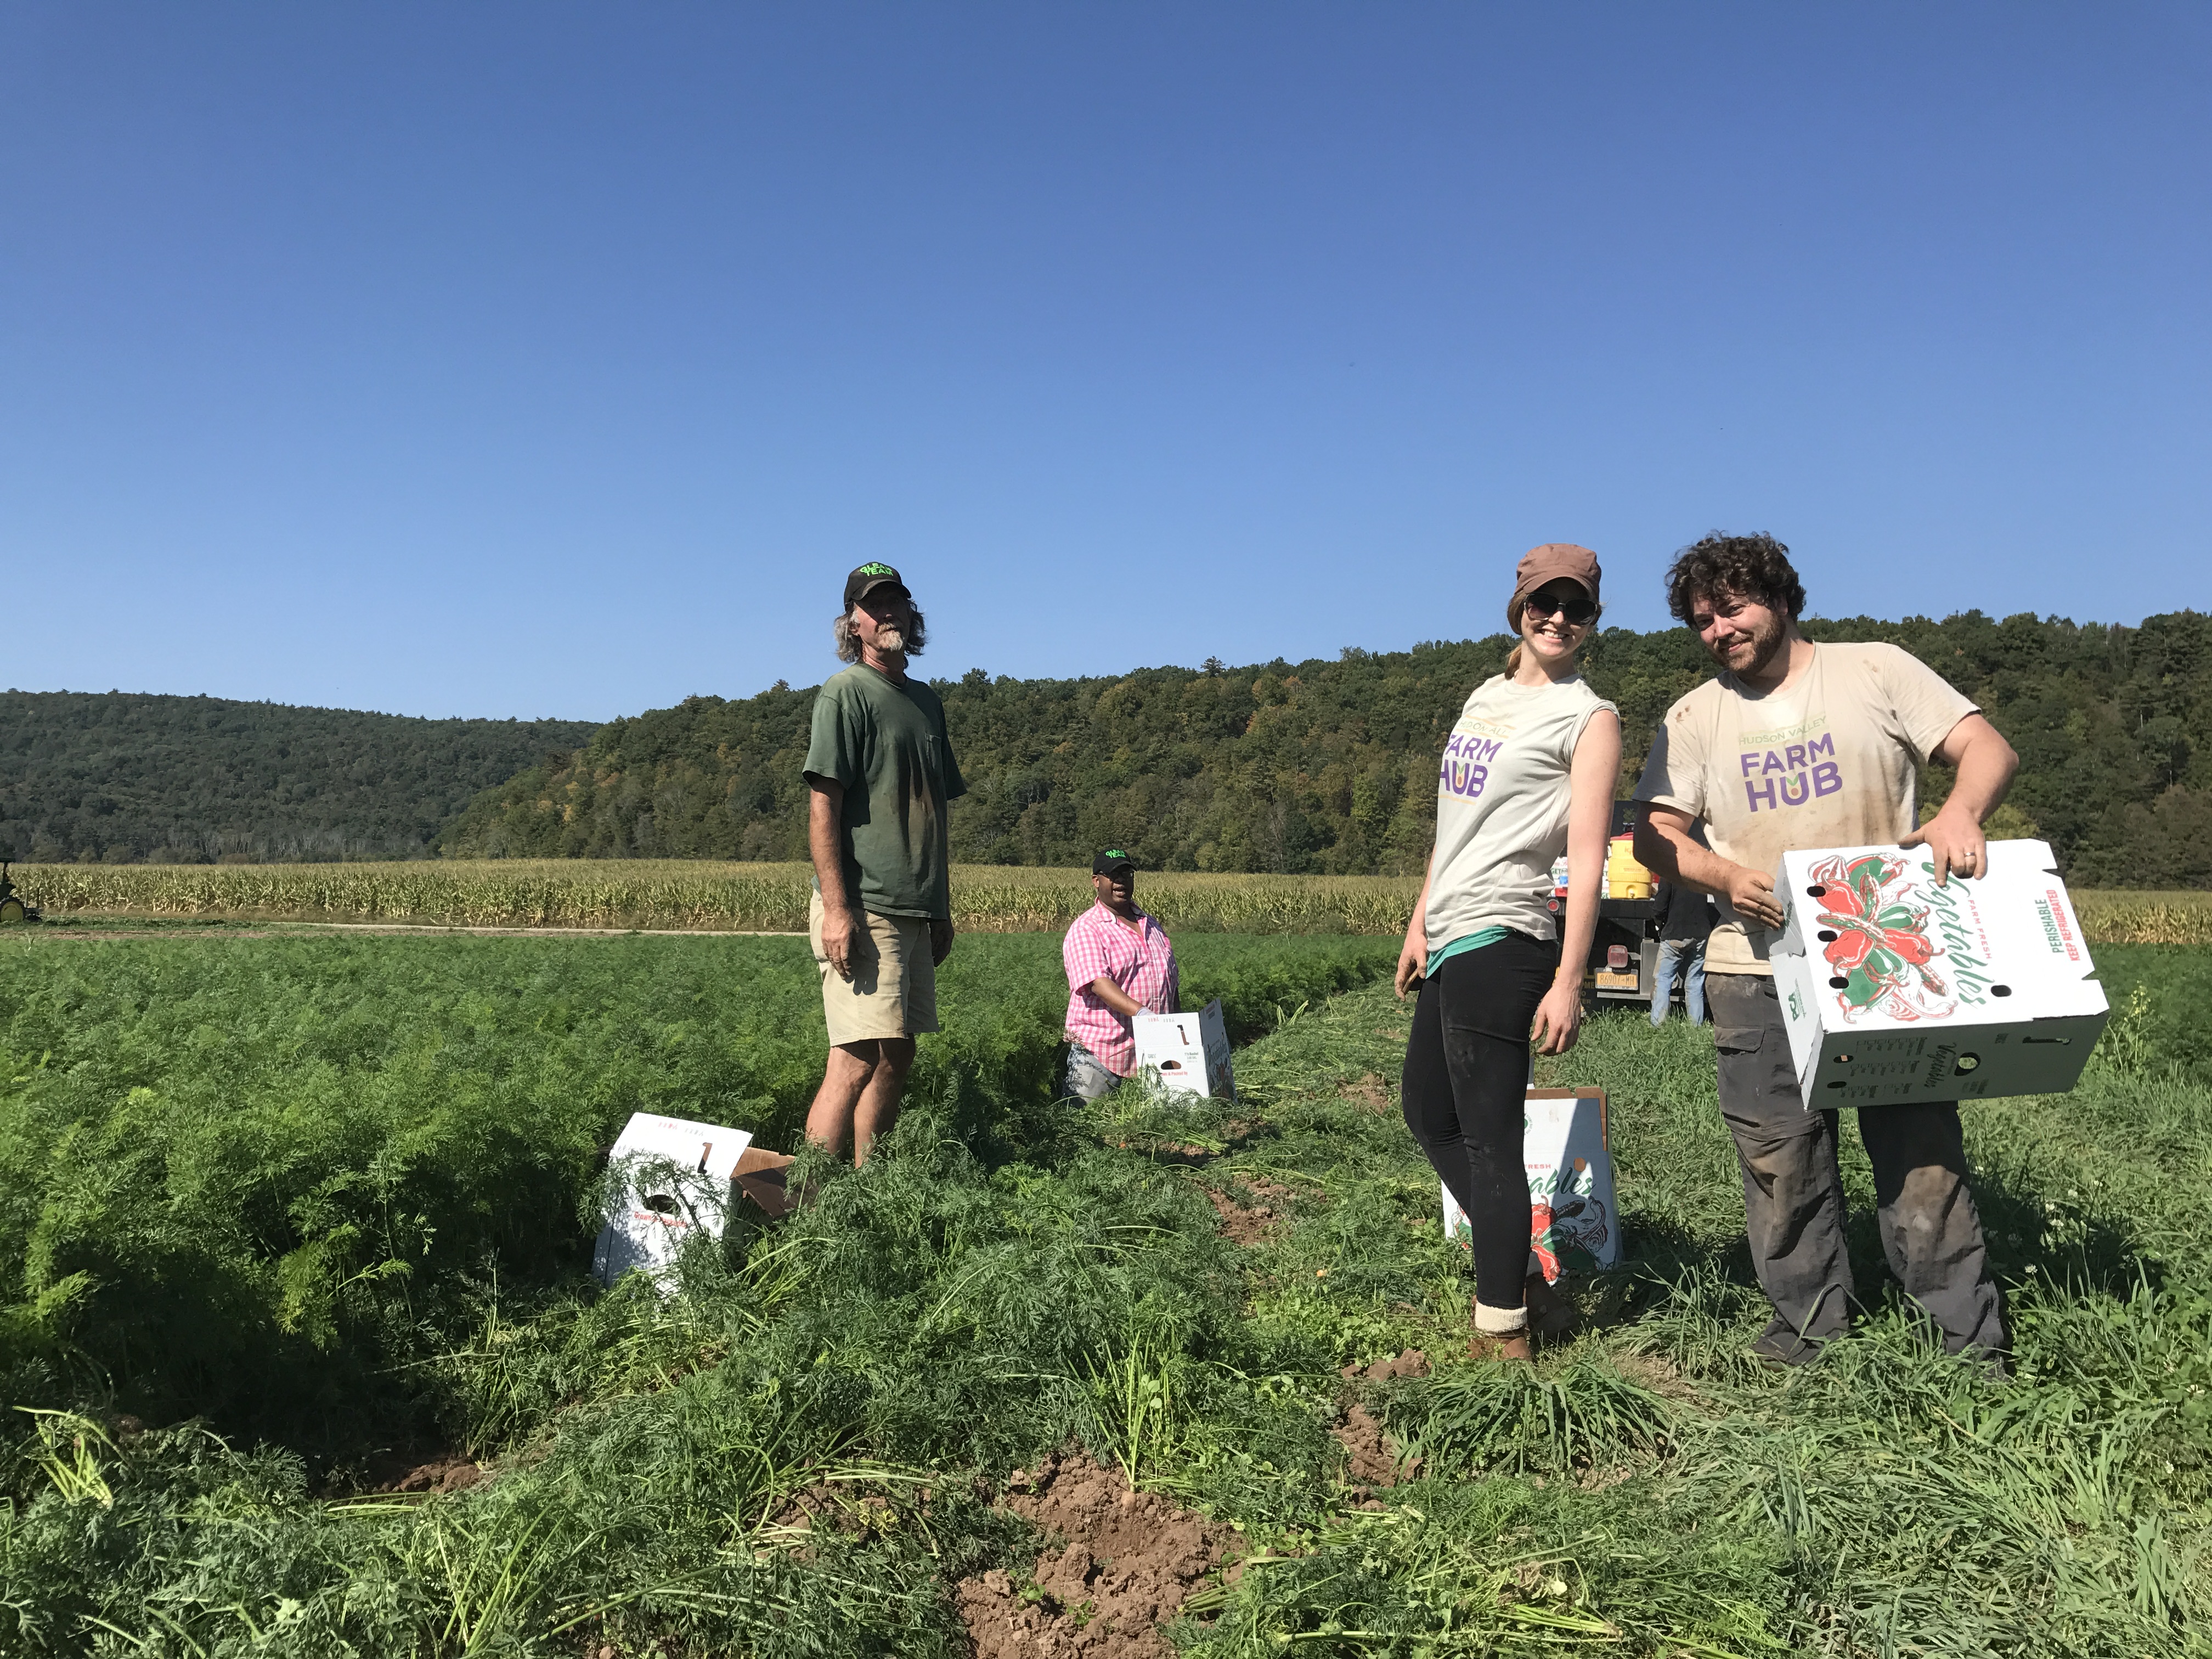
{"points": [[1255, 1225], [1129, 1561], [1369, 1464], [1409, 1362], [1371, 1461], [1370, 1091], [440, 1475]]}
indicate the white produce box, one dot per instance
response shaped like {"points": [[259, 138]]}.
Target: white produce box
{"points": [[1190, 1052], [1895, 990], [1571, 1206], [667, 1179]]}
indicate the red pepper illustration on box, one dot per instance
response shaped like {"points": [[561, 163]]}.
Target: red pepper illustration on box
{"points": [[1880, 955], [1568, 1216]]}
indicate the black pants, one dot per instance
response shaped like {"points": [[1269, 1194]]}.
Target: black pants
{"points": [[1793, 1191], [1464, 1092]]}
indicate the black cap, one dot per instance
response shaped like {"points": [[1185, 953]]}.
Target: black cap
{"points": [[869, 576], [1111, 860]]}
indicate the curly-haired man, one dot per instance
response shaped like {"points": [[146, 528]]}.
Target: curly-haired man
{"points": [[881, 775], [1796, 745]]}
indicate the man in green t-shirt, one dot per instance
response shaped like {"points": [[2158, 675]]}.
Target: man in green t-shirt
{"points": [[880, 770]]}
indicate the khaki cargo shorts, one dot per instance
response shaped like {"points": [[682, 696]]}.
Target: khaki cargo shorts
{"points": [[893, 990]]}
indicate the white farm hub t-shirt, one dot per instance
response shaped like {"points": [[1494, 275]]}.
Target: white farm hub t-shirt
{"points": [[1828, 762], [1501, 795]]}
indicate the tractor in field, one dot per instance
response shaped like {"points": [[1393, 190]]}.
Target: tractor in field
{"points": [[13, 912]]}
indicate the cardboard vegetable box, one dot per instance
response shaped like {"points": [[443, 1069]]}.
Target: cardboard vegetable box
{"points": [[1190, 1052], [1896, 990], [1574, 1220], [669, 1179]]}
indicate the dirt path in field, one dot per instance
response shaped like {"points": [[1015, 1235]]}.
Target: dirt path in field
{"points": [[1129, 1562]]}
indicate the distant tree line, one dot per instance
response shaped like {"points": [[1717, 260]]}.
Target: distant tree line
{"points": [[125, 778], [1328, 766]]}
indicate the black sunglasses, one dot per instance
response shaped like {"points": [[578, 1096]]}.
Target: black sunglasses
{"points": [[1579, 609]]}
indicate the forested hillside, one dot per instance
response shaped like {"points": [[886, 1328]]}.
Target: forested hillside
{"points": [[131, 778], [1328, 765]]}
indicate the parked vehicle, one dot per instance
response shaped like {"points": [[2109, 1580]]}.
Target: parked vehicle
{"points": [[13, 912]]}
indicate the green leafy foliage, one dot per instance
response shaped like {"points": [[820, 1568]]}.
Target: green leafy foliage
{"points": [[127, 777], [1328, 766], [246, 1177], [1004, 1279]]}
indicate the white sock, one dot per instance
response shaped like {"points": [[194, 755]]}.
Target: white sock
{"points": [[1499, 1321]]}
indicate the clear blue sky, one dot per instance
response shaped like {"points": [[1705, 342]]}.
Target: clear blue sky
{"points": [[556, 359]]}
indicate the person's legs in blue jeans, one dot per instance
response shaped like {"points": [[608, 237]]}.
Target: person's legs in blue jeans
{"points": [[1694, 992], [1663, 979]]}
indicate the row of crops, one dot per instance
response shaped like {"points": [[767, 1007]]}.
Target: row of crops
{"points": [[244, 1174], [677, 893], [291, 1209], [681, 893]]}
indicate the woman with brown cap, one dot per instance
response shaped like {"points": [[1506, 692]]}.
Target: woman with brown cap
{"points": [[1529, 773]]}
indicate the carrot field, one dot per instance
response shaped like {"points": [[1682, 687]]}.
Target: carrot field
{"points": [[299, 1219]]}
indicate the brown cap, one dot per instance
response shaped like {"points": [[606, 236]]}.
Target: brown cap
{"points": [[1548, 563]]}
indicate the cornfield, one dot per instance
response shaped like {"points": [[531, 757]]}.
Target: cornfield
{"points": [[680, 893], [2129, 918], [688, 894]]}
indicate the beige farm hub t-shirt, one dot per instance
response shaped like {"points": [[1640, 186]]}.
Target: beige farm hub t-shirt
{"points": [[1828, 762], [1502, 796]]}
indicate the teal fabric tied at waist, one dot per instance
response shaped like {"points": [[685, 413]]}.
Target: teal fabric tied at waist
{"points": [[1461, 946]]}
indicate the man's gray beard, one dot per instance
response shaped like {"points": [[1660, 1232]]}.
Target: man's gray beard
{"points": [[890, 642]]}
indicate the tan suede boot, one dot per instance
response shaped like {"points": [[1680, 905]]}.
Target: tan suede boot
{"points": [[1499, 1345], [1486, 1346]]}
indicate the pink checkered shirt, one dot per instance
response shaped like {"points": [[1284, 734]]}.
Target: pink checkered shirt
{"points": [[1101, 945]]}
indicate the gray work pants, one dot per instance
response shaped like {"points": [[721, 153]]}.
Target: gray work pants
{"points": [[1793, 1191], [1087, 1077]]}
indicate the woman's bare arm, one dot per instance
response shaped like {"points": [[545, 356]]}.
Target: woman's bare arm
{"points": [[1413, 954], [1591, 780]]}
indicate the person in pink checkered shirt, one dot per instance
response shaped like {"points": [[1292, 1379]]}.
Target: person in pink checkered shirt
{"points": [[1119, 964]]}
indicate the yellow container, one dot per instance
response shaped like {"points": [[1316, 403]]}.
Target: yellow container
{"points": [[1625, 877]]}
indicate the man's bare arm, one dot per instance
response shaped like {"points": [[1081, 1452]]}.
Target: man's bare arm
{"points": [[1985, 763], [1115, 998], [1667, 845], [824, 811]]}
